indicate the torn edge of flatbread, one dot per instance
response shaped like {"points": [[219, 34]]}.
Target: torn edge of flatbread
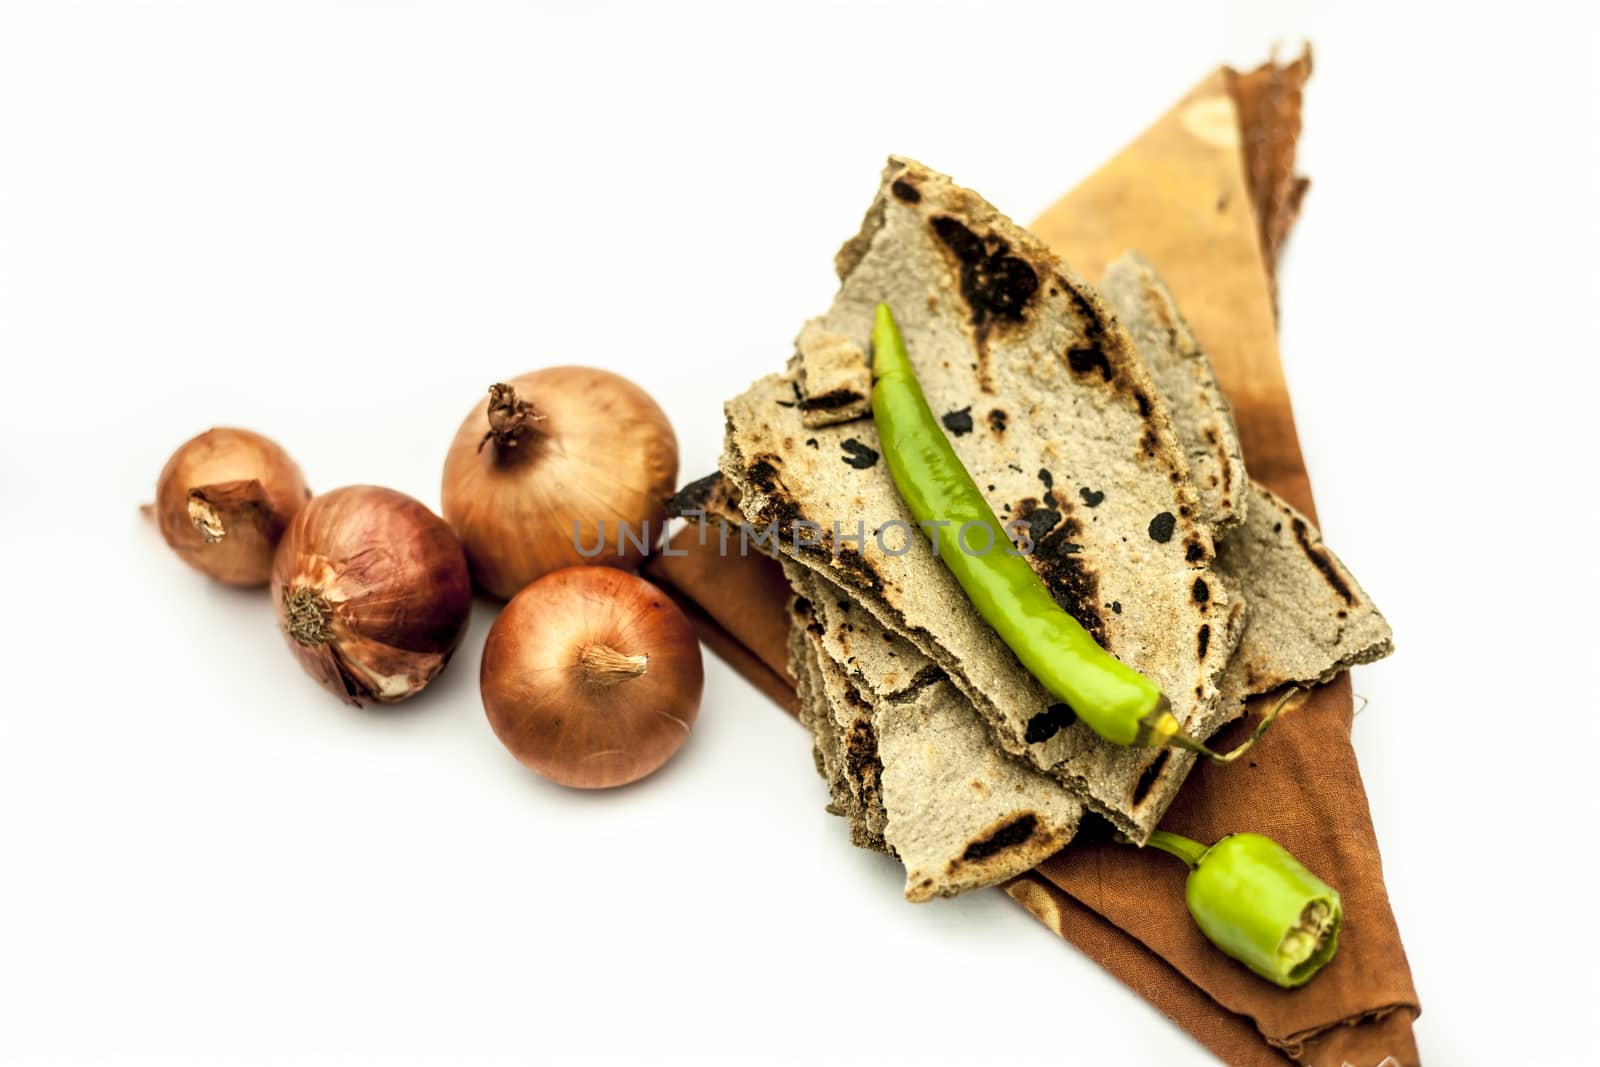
{"points": [[816, 714], [960, 813]]}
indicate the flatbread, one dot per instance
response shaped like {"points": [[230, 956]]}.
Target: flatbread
{"points": [[1309, 617], [1051, 410], [1201, 415], [923, 778]]}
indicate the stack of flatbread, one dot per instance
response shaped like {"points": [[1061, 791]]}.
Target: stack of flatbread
{"points": [[1091, 419]]}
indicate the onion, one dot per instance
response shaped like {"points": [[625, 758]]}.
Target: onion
{"points": [[559, 458], [372, 593], [591, 677], [223, 500]]}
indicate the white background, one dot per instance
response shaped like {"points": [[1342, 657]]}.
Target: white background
{"points": [[338, 223]]}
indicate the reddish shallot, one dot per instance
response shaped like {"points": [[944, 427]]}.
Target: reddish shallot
{"points": [[372, 593]]}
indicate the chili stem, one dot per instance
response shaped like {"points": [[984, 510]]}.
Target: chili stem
{"points": [[1190, 851], [1182, 740]]}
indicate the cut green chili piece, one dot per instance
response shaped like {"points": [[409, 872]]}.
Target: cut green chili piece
{"points": [[1255, 902], [1116, 701]]}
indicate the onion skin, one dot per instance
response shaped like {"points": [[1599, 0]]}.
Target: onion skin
{"points": [[592, 677], [223, 501], [372, 593], [590, 447]]}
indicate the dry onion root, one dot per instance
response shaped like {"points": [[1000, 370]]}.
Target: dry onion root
{"points": [[559, 458], [592, 677], [223, 501], [372, 593]]}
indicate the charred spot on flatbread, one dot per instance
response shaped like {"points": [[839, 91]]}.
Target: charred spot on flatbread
{"points": [[1161, 527], [1319, 560], [1149, 444], [857, 454], [927, 675], [1049, 722], [1149, 776], [761, 474], [1085, 360], [958, 422], [832, 400], [693, 497], [855, 564], [994, 283], [861, 747], [1091, 497], [1040, 520], [1007, 835], [1056, 559]]}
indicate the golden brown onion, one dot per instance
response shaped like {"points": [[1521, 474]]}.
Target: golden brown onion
{"points": [[223, 501], [591, 677], [553, 456], [372, 593]]}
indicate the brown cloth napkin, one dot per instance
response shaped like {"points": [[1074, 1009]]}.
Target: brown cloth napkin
{"points": [[737, 605], [1207, 194]]}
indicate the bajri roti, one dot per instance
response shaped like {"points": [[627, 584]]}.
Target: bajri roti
{"points": [[1052, 411], [908, 758]]}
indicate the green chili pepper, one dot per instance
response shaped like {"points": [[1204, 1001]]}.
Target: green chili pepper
{"points": [[1255, 902], [1118, 703]]}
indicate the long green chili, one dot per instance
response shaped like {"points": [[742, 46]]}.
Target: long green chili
{"points": [[1255, 902], [1118, 703]]}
